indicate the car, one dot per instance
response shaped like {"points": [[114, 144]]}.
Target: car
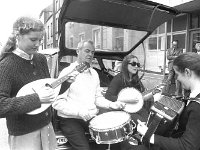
{"points": [[139, 16]]}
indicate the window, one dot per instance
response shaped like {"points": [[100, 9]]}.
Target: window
{"points": [[181, 40], [161, 42], [119, 39], [97, 38], [56, 25], [161, 29], [81, 37], [105, 38], [152, 43], [179, 23], [120, 43], [195, 21], [48, 32], [71, 42], [51, 29], [157, 39], [169, 26], [168, 41], [56, 6]]}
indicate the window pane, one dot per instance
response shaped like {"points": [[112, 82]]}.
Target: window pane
{"points": [[154, 32], [161, 43], [120, 43], [169, 26], [152, 43], [179, 23], [96, 38], [195, 21], [168, 41], [162, 28], [181, 40], [105, 37]]}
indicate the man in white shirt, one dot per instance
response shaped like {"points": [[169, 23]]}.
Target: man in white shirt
{"points": [[78, 105]]}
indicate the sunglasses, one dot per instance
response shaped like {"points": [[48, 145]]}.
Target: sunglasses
{"points": [[134, 64]]}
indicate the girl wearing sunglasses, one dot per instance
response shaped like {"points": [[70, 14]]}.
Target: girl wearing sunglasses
{"points": [[128, 77]]}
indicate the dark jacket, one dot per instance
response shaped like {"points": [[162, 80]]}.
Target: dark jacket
{"points": [[171, 55], [187, 136]]}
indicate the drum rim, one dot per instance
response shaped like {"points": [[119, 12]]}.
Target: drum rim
{"points": [[111, 141], [128, 121]]}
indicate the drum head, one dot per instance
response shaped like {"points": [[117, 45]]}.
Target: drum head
{"points": [[109, 120], [132, 98]]}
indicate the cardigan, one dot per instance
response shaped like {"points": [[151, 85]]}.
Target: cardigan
{"points": [[15, 72]]}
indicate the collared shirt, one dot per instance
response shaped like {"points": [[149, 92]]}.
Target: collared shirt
{"points": [[193, 94], [22, 54], [81, 94]]}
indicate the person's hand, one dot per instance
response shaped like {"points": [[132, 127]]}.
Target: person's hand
{"points": [[72, 76], [59, 98], [87, 114], [158, 89], [71, 79], [117, 105], [46, 94], [141, 127]]}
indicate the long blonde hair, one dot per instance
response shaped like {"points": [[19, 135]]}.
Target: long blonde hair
{"points": [[21, 26]]}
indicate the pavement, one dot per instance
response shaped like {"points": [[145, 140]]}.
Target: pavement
{"points": [[152, 80]]}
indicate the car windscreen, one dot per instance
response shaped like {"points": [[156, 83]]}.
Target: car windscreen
{"points": [[105, 38]]}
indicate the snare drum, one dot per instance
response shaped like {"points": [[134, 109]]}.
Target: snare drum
{"points": [[111, 127]]}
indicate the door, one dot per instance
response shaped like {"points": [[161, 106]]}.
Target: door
{"points": [[195, 38]]}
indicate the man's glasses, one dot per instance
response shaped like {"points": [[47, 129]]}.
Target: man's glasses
{"points": [[134, 64]]}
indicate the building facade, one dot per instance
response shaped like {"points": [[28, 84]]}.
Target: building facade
{"points": [[185, 28]]}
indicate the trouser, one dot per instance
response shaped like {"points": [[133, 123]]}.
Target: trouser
{"points": [[142, 147], [172, 75], [74, 130]]}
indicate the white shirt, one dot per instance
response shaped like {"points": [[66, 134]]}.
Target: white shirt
{"points": [[22, 54], [81, 94]]}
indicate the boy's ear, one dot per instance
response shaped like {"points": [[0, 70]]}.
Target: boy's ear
{"points": [[188, 72]]}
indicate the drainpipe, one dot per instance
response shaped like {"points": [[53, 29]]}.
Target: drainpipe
{"points": [[54, 23], [165, 51]]}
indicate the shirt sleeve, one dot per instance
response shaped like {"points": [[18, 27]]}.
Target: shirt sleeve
{"points": [[62, 104], [65, 107]]}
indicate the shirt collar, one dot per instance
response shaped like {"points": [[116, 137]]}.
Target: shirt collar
{"points": [[193, 94], [22, 54]]}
